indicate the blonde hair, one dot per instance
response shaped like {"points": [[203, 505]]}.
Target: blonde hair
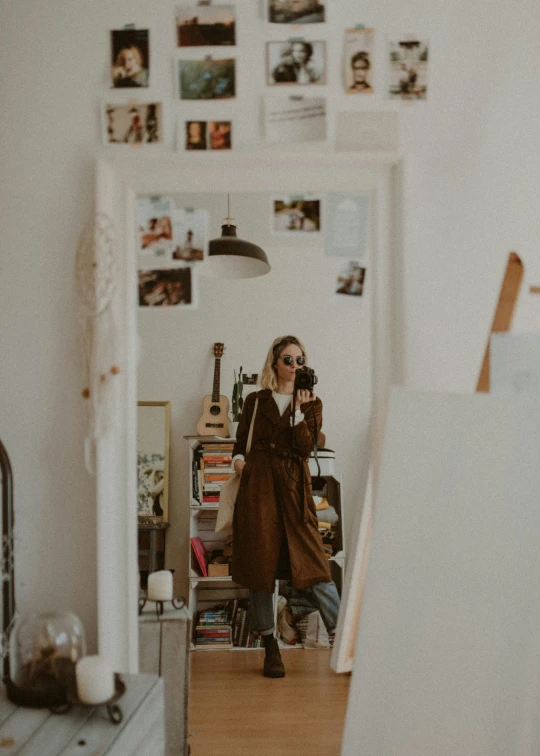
{"points": [[268, 374]]}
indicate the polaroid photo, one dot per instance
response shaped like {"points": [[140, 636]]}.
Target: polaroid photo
{"points": [[206, 79], [208, 135], [172, 287], [347, 218], [155, 227], [130, 58], [133, 123], [408, 69], [190, 235], [296, 11], [295, 215], [296, 62], [351, 280], [205, 25], [358, 61], [294, 119]]}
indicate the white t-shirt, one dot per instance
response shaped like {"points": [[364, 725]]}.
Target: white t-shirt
{"points": [[282, 401]]}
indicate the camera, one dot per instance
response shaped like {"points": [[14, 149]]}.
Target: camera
{"points": [[305, 378]]}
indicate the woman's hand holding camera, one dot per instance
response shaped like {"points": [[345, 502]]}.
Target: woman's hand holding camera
{"points": [[303, 396], [239, 466]]}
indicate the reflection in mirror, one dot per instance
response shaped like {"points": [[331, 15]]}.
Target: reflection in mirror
{"points": [[153, 428], [299, 296]]}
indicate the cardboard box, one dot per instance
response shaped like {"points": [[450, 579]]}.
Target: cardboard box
{"points": [[218, 570]]}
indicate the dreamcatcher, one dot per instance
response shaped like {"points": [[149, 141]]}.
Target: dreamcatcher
{"points": [[96, 278]]}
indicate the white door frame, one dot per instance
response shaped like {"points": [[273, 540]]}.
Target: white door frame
{"points": [[120, 178]]}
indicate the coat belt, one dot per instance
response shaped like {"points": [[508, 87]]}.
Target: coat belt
{"points": [[302, 462]]}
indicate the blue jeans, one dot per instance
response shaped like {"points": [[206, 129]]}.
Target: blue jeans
{"points": [[323, 597]]}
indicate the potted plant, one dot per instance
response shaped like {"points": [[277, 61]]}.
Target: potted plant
{"points": [[237, 402]]}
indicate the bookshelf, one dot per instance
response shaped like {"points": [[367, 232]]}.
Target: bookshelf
{"points": [[205, 592]]}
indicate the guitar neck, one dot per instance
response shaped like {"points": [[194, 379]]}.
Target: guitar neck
{"points": [[217, 369]]}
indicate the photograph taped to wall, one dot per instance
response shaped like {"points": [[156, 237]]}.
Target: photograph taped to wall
{"points": [[408, 69], [171, 287], [358, 74], [129, 123], [130, 58], [190, 234], [155, 226], [296, 62], [207, 79], [208, 135], [296, 11], [296, 214], [204, 26], [351, 279], [347, 218], [295, 119]]}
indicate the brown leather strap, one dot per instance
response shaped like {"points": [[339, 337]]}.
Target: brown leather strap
{"points": [[248, 447]]}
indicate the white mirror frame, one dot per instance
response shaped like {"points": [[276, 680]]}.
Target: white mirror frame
{"points": [[120, 178]]}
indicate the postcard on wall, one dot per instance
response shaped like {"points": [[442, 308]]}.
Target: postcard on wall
{"points": [[132, 123], [347, 224], [206, 135], [408, 69], [155, 226], [130, 58], [295, 119], [298, 214], [190, 234], [296, 62], [205, 25], [351, 279], [358, 75], [173, 287], [367, 131], [296, 11], [207, 79]]}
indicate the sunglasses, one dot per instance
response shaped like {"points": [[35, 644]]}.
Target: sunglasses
{"points": [[288, 360]]}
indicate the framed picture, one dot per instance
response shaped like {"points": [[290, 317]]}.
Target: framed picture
{"points": [[300, 214], [296, 62], [153, 430], [207, 79], [133, 123], [408, 68], [204, 26], [296, 11]]}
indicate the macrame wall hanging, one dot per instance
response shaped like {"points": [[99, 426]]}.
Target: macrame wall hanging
{"points": [[97, 277]]}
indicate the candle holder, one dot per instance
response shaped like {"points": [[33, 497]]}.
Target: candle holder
{"points": [[178, 603], [113, 710]]}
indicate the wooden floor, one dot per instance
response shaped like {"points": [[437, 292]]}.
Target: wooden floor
{"points": [[235, 711]]}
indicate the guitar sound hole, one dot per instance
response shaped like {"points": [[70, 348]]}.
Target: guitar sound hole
{"points": [[215, 409]]}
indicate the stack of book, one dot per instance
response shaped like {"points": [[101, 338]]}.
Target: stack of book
{"points": [[243, 634], [213, 629], [212, 467]]}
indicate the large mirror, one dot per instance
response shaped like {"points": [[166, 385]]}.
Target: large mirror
{"points": [[169, 350], [153, 427]]}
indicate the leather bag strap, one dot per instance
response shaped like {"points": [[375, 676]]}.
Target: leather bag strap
{"points": [[248, 447]]}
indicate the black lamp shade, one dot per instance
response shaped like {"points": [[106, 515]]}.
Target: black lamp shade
{"points": [[231, 257]]}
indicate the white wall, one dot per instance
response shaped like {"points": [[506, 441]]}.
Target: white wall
{"points": [[471, 188]]}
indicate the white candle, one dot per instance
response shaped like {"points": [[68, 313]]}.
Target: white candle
{"points": [[95, 680], [160, 585]]}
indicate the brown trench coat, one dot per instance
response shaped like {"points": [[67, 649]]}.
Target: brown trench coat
{"points": [[275, 533]]}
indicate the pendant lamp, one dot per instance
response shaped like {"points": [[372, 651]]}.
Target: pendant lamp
{"points": [[231, 257]]}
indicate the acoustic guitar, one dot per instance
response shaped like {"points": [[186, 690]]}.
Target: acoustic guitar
{"points": [[215, 418]]}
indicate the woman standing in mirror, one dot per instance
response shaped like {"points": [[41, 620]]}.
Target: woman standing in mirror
{"points": [[275, 525]]}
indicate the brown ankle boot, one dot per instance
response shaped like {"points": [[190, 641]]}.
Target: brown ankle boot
{"points": [[273, 666]]}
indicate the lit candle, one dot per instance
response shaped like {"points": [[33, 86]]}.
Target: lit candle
{"points": [[95, 680], [160, 585]]}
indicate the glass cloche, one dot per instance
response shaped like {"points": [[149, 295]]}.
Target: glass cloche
{"points": [[43, 652]]}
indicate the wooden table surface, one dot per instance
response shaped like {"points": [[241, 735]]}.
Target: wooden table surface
{"points": [[89, 731]]}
